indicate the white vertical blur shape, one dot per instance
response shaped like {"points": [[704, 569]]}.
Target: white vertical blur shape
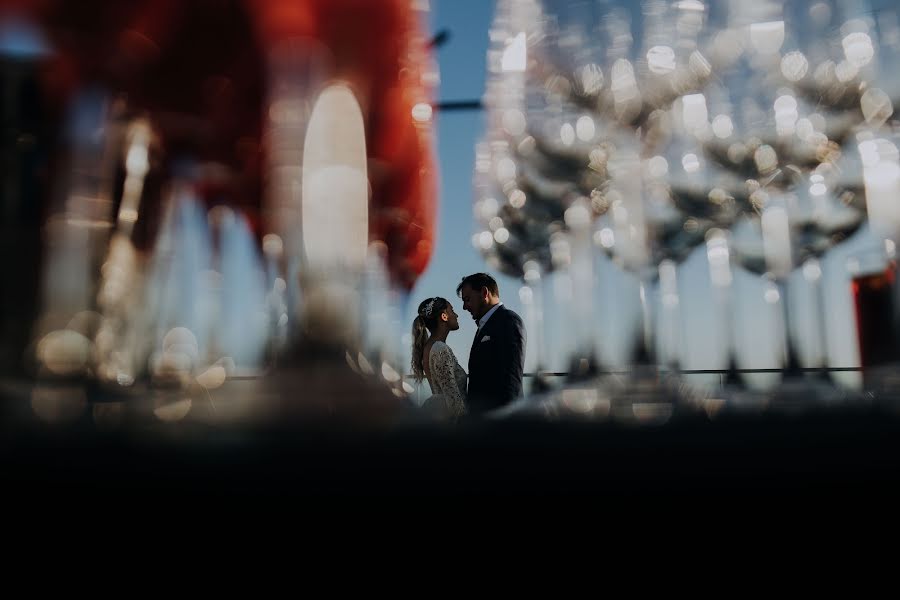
{"points": [[515, 55], [757, 328], [578, 220], [627, 203], [670, 320], [718, 284], [566, 337], [719, 259], [531, 296], [618, 324], [532, 353], [703, 310], [335, 197], [805, 325], [776, 240], [137, 164], [881, 177]]}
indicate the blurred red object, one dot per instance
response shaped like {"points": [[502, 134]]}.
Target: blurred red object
{"points": [[876, 315], [378, 47], [199, 69]]}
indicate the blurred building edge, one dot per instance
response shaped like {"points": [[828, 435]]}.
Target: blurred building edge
{"points": [[26, 133]]}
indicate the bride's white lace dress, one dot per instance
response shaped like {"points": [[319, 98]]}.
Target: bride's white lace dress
{"points": [[448, 383]]}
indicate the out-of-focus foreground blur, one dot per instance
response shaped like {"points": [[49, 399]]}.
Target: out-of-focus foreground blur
{"points": [[214, 212], [195, 193]]}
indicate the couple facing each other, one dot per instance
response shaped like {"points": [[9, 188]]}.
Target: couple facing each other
{"points": [[496, 361]]}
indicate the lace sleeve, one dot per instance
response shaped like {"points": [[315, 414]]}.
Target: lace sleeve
{"points": [[443, 369]]}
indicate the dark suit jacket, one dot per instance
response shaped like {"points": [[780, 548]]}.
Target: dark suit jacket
{"points": [[496, 362]]}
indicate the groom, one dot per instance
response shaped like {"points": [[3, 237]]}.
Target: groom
{"points": [[497, 358]]}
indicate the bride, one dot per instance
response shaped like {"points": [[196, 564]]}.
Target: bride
{"points": [[433, 359]]}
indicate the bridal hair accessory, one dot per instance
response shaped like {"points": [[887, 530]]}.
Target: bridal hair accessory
{"points": [[426, 312]]}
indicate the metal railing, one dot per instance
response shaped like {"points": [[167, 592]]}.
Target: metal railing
{"points": [[422, 390]]}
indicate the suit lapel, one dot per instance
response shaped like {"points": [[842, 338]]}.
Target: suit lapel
{"points": [[475, 340], [480, 333]]}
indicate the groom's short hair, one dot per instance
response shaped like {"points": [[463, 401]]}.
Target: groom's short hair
{"points": [[476, 281]]}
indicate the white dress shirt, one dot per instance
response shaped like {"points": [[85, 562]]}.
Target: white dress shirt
{"points": [[487, 316]]}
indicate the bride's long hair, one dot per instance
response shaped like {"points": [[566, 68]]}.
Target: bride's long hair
{"points": [[429, 311]]}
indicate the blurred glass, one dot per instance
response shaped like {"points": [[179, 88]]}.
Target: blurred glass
{"points": [[762, 130], [574, 96], [215, 183]]}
